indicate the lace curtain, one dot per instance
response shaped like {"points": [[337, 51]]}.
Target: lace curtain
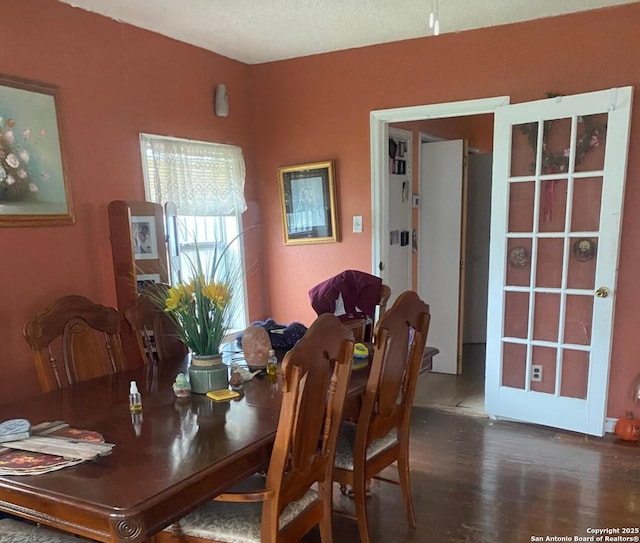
{"points": [[202, 179]]}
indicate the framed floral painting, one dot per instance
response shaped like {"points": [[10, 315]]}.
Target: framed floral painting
{"points": [[34, 187]]}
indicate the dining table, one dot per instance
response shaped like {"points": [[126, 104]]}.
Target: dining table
{"points": [[167, 460]]}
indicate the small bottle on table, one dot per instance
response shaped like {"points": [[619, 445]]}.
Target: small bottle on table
{"points": [[272, 363], [135, 399]]}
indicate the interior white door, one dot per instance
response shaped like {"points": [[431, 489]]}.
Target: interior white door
{"points": [[440, 242], [397, 270], [557, 194]]}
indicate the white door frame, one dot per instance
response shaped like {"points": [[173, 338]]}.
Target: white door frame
{"points": [[379, 133]]}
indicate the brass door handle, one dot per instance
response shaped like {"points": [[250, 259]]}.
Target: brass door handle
{"points": [[602, 292]]}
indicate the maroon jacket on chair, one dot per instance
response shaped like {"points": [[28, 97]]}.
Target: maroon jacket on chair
{"points": [[360, 292]]}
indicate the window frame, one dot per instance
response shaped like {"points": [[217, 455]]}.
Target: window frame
{"points": [[242, 319]]}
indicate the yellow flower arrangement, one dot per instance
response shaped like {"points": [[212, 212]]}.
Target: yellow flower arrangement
{"points": [[200, 308]]}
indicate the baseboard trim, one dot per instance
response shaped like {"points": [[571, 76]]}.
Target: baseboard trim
{"points": [[609, 425]]}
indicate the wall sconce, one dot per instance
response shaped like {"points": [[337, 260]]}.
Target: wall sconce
{"points": [[221, 103]]}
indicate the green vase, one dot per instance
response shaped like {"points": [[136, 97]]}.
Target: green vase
{"points": [[207, 373]]}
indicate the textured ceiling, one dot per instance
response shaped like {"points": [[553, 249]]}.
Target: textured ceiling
{"points": [[255, 31]]}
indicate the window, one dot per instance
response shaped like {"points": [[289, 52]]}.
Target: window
{"points": [[205, 182]]}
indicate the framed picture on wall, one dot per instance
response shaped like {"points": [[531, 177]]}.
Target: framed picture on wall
{"points": [[144, 279], [145, 241], [34, 185], [308, 197]]}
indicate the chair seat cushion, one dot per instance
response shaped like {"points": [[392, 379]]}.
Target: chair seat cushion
{"points": [[347, 439], [14, 531], [238, 522]]}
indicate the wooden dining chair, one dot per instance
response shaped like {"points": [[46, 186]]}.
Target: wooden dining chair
{"points": [[14, 531], [73, 340], [297, 492], [380, 437], [154, 330], [363, 328]]}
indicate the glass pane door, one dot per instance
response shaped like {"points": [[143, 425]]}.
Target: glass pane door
{"points": [[554, 248]]}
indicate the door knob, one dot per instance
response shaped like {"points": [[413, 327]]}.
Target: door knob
{"points": [[602, 292]]}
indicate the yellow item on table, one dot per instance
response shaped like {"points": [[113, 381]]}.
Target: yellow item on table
{"points": [[360, 351], [222, 395], [360, 356]]}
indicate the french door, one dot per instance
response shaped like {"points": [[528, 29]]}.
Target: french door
{"points": [[558, 186]]}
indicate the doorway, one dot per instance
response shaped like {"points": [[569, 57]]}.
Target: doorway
{"points": [[553, 317], [453, 257], [459, 386]]}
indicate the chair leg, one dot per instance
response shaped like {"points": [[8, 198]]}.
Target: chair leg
{"points": [[405, 486], [325, 524], [359, 497]]}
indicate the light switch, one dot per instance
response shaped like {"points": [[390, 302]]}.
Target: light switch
{"points": [[357, 224]]}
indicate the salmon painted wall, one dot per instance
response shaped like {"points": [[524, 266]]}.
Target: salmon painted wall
{"points": [[317, 108], [115, 82]]}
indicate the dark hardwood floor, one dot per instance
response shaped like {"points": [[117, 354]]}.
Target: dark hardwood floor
{"points": [[481, 481]]}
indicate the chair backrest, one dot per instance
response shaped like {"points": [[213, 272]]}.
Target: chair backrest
{"points": [[383, 298], [315, 381], [400, 339], [364, 329], [84, 335], [154, 330]]}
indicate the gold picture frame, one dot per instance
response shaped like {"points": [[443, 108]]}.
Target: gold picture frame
{"points": [[308, 198], [34, 184]]}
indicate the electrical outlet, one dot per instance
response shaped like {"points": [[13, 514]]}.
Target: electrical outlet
{"points": [[536, 373]]}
